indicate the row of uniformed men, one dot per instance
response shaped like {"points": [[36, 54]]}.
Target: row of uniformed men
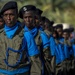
{"points": [[62, 47], [19, 53], [49, 54]]}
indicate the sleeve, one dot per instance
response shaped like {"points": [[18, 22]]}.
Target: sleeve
{"points": [[45, 40], [52, 49], [36, 66], [49, 60], [66, 51], [52, 46], [45, 44], [73, 47]]}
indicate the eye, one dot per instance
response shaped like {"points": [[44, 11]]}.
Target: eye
{"points": [[11, 14], [25, 17], [5, 15], [30, 17]]}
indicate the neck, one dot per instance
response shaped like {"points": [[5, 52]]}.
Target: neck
{"points": [[30, 28]]}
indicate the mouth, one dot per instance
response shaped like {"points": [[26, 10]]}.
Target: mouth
{"points": [[28, 23], [8, 21]]}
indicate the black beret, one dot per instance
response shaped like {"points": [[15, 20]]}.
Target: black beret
{"points": [[38, 11], [59, 26], [49, 21], [52, 22], [66, 30], [54, 26], [9, 5], [26, 8], [71, 29], [43, 18]]}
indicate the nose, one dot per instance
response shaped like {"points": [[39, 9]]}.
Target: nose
{"points": [[8, 16], [28, 19]]}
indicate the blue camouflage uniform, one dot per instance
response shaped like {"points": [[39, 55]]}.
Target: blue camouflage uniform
{"points": [[44, 40], [31, 48]]}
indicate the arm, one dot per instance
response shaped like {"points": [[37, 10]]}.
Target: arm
{"points": [[45, 45], [49, 58], [33, 53]]}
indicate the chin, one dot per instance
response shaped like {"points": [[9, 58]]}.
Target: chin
{"points": [[28, 25], [10, 25]]}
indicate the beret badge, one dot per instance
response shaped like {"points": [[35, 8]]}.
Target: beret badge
{"points": [[24, 9]]}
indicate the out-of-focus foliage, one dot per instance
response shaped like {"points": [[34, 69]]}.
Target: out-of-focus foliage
{"points": [[61, 11]]}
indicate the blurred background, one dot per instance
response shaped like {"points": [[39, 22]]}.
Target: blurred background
{"points": [[60, 11]]}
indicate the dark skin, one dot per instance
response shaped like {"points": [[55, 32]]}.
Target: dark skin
{"points": [[37, 19], [66, 35], [59, 30], [10, 17], [1, 23], [42, 24], [71, 35], [47, 26], [55, 34], [29, 19]]}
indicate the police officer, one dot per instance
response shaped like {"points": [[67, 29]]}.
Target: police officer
{"points": [[27, 13], [58, 53], [67, 50], [18, 49], [71, 32], [72, 51], [48, 27], [59, 29]]}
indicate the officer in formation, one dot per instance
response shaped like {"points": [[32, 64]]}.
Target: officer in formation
{"points": [[66, 50], [62, 47], [34, 46], [18, 52], [40, 37]]}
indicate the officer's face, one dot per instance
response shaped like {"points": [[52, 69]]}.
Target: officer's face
{"points": [[10, 17], [42, 24], [28, 18], [65, 35], [71, 35], [47, 26], [37, 19], [59, 30]]}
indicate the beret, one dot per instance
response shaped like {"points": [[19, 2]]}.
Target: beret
{"points": [[44, 19], [26, 8], [66, 30], [49, 21], [71, 29], [9, 5], [59, 26], [38, 11]]}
